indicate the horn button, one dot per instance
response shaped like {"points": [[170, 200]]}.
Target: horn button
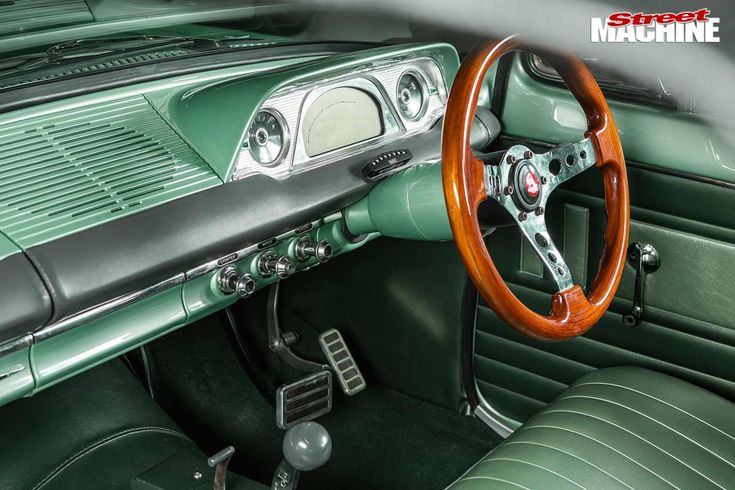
{"points": [[525, 178]]}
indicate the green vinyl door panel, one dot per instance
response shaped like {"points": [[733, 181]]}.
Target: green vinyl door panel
{"points": [[689, 321]]}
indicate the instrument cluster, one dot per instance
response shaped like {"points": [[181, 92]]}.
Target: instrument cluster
{"points": [[302, 126]]}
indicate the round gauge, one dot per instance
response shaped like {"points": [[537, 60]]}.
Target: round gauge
{"points": [[411, 95], [268, 137]]}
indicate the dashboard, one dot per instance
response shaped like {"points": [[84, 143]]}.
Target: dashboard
{"points": [[131, 212]]}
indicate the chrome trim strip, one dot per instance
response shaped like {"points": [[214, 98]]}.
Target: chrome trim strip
{"points": [[95, 312], [16, 344], [492, 419], [15, 370]]}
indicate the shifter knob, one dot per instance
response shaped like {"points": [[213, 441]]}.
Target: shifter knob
{"points": [[307, 446]]}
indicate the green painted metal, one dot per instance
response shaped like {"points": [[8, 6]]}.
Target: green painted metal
{"points": [[230, 105], [21, 381], [21, 16], [118, 17], [409, 204], [7, 247], [39, 162], [660, 137], [202, 297], [80, 167], [64, 355]]}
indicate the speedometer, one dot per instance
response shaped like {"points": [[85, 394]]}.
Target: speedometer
{"points": [[268, 138], [411, 95]]}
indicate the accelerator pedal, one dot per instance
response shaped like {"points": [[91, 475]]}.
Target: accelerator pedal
{"points": [[341, 360], [304, 400]]}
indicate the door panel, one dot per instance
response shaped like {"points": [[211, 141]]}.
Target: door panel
{"points": [[689, 325]]}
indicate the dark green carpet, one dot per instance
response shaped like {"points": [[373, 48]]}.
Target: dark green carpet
{"points": [[382, 439]]}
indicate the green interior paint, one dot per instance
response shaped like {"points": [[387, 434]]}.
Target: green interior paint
{"points": [[661, 137], [62, 356], [115, 124], [7, 247], [23, 16], [409, 204], [87, 165], [119, 17], [21, 382], [231, 105]]}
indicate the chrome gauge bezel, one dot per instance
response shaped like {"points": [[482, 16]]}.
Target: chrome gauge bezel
{"points": [[424, 94], [286, 132], [379, 79]]}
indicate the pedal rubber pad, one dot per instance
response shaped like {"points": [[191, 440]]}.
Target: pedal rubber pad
{"points": [[341, 360], [304, 400]]}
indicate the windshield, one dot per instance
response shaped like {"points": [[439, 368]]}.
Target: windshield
{"points": [[49, 40]]}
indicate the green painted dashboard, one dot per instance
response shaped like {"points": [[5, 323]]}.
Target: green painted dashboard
{"points": [[94, 161]]}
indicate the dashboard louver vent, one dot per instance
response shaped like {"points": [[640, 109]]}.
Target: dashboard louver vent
{"points": [[67, 171], [19, 16]]}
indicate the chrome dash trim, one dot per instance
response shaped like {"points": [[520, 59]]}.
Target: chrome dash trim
{"points": [[95, 312], [15, 345], [13, 371]]}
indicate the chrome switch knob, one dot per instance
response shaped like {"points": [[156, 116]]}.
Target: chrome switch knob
{"points": [[270, 263], [227, 279], [305, 248], [230, 281], [245, 286]]}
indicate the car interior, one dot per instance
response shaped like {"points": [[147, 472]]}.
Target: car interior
{"points": [[246, 249]]}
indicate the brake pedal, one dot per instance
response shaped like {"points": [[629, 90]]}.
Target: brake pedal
{"points": [[344, 365], [304, 400]]}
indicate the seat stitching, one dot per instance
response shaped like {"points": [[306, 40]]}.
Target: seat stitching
{"points": [[501, 458], [496, 479], [573, 456], [661, 401], [639, 437], [605, 400], [607, 446], [56, 471]]}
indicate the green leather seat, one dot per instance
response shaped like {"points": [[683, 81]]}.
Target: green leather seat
{"points": [[97, 430], [618, 428]]}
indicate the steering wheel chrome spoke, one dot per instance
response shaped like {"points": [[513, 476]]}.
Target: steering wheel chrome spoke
{"points": [[534, 230], [565, 161]]}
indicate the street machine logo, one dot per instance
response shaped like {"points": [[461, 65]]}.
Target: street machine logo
{"points": [[691, 26]]}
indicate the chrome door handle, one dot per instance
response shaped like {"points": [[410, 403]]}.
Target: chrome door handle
{"points": [[644, 258]]}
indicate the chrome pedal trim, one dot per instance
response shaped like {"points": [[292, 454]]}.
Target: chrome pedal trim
{"points": [[341, 360], [304, 400]]}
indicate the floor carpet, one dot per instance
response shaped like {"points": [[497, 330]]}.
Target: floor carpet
{"points": [[382, 439]]}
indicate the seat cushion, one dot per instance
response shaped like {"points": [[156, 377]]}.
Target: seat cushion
{"points": [[97, 430], [618, 428]]}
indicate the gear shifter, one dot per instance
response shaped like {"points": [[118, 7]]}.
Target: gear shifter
{"points": [[306, 447]]}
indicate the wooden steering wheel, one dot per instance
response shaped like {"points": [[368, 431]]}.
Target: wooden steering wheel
{"points": [[521, 182]]}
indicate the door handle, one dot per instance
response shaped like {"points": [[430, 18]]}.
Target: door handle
{"points": [[644, 258]]}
